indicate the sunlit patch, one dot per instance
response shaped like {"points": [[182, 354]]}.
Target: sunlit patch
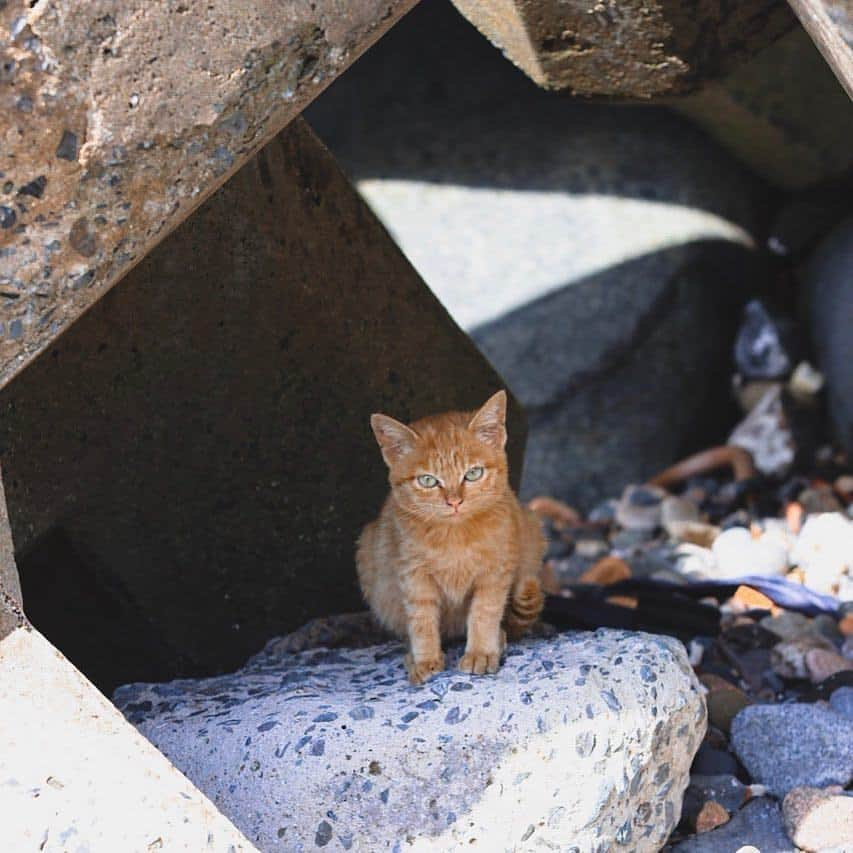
{"points": [[514, 231]]}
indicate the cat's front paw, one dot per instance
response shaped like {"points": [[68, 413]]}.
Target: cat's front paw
{"points": [[479, 663], [421, 670]]}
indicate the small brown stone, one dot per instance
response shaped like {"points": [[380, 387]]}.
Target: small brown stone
{"points": [[844, 487], [710, 816], [818, 819], [607, 571], [788, 659], [724, 701], [753, 599], [623, 601], [822, 664]]}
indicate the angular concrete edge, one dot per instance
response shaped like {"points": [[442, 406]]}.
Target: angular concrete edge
{"points": [[636, 49], [75, 775], [11, 615], [119, 120], [73, 772], [830, 24]]}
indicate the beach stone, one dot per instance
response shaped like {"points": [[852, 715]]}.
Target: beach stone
{"points": [[788, 624], [819, 820], [790, 658], [841, 702], [724, 789], [676, 513], [787, 746], [640, 508], [824, 550], [738, 553], [585, 739], [724, 702], [758, 824], [823, 664]]}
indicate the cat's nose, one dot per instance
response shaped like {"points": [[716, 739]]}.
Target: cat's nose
{"points": [[453, 501]]}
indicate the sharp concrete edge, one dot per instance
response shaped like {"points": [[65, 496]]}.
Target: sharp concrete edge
{"points": [[11, 603], [74, 774], [120, 119]]}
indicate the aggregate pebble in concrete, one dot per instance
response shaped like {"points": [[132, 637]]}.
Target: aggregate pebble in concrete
{"points": [[582, 740]]}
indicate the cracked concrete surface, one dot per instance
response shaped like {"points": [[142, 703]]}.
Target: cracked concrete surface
{"points": [[119, 119]]}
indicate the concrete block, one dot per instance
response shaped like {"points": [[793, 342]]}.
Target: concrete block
{"points": [[119, 119], [634, 49], [200, 441]]}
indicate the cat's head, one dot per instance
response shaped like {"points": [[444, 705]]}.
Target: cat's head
{"points": [[446, 467]]}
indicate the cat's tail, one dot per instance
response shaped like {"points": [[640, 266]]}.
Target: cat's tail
{"points": [[525, 604]]}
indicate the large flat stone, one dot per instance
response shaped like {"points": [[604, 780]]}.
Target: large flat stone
{"points": [[119, 119], [187, 469], [579, 742], [636, 48], [816, 749], [829, 290]]}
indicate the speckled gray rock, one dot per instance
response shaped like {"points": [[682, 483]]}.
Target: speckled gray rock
{"points": [[841, 702], [758, 824], [584, 739], [788, 746]]}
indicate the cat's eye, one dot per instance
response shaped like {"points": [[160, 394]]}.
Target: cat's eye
{"points": [[474, 473], [427, 481]]}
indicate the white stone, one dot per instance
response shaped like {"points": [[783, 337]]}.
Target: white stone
{"points": [[583, 740], [738, 553], [824, 550]]}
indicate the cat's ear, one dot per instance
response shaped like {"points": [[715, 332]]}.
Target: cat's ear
{"points": [[489, 424], [395, 439]]}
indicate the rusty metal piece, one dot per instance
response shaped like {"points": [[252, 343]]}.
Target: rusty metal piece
{"points": [[725, 456]]}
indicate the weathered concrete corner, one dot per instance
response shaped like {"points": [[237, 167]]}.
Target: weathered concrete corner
{"points": [[633, 49], [119, 119], [75, 775]]}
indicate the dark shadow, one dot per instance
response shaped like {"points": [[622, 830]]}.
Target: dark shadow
{"points": [[626, 370], [85, 610]]}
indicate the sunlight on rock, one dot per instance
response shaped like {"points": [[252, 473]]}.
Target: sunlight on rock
{"points": [[540, 241]]}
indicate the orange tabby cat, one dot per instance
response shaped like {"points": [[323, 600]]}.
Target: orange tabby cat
{"points": [[452, 551]]}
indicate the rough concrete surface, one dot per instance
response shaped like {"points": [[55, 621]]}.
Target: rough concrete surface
{"points": [[9, 581], [633, 49], [120, 118], [200, 438], [580, 742], [74, 776], [783, 113]]}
